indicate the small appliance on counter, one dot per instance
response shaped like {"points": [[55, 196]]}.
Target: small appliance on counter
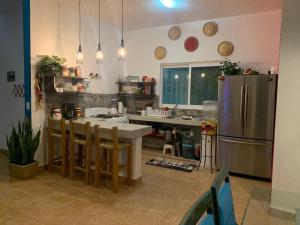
{"points": [[79, 112], [56, 112], [210, 110], [69, 110]]}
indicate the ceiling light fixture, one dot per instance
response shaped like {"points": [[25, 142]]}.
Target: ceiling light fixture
{"points": [[99, 52], [121, 49], [169, 3], [79, 55]]}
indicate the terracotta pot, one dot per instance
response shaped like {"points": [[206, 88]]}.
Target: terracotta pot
{"points": [[23, 172]]}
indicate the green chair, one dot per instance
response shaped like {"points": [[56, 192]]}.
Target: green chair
{"points": [[201, 212], [222, 199]]}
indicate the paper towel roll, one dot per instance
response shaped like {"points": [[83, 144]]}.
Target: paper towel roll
{"points": [[120, 107]]}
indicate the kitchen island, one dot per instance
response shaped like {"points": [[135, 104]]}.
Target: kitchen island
{"points": [[126, 132]]}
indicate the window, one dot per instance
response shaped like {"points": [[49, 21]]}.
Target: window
{"points": [[189, 85], [175, 85]]}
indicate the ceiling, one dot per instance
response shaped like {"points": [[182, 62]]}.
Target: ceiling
{"points": [[149, 13], [10, 6]]}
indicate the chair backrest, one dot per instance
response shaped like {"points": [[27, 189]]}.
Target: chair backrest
{"points": [[201, 212], [106, 134], [222, 199], [80, 129], [57, 126]]}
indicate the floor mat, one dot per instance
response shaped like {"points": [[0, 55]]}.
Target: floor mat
{"points": [[171, 164]]}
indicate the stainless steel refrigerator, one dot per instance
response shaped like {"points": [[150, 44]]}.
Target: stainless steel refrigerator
{"points": [[246, 117]]}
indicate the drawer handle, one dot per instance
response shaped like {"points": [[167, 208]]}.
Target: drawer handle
{"points": [[241, 142]]}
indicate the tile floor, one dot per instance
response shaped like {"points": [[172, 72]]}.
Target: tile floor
{"points": [[161, 199], [259, 211]]}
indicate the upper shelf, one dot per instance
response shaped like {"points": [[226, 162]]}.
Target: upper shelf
{"points": [[71, 78], [51, 81]]}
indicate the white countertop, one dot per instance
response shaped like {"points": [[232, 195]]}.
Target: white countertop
{"points": [[125, 130], [158, 119]]}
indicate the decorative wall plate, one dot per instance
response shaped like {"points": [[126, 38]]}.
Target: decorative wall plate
{"points": [[174, 33], [160, 52], [225, 48], [210, 29], [191, 44]]}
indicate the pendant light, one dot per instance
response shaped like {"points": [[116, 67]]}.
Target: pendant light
{"points": [[79, 55], [121, 49], [99, 53]]}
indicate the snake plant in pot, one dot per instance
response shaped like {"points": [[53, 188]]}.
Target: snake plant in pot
{"points": [[22, 145]]}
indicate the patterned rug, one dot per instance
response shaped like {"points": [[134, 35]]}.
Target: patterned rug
{"points": [[171, 164]]}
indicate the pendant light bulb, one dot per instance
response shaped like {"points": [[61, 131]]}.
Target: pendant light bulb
{"points": [[122, 51], [99, 55], [79, 56], [99, 52]]}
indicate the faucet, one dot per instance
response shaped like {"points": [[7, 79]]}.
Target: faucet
{"points": [[173, 113]]}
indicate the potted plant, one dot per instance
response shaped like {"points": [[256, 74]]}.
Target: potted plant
{"points": [[230, 68], [50, 65], [22, 145], [47, 66]]}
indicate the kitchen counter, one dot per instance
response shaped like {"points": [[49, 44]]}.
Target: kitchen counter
{"points": [[158, 119], [126, 131], [132, 133]]}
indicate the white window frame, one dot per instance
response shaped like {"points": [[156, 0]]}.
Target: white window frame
{"points": [[190, 65]]}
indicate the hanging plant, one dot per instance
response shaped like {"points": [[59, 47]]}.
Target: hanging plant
{"points": [[47, 66], [38, 90], [50, 65], [230, 68]]}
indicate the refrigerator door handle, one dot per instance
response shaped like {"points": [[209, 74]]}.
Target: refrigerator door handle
{"points": [[241, 142], [245, 106], [242, 98]]}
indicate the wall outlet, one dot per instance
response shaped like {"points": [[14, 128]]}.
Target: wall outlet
{"points": [[11, 76]]}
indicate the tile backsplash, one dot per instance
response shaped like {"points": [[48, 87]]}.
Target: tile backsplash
{"points": [[84, 100], [87, 100]]}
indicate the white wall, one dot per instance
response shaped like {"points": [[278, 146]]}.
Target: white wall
{"points": [[44, 40], [68, 37], [11, 55], [286, 179], [256, 39], [54, 31]]}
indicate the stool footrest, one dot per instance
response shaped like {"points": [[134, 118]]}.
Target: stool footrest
{"points": [[80, 168], [106, 172], [80, 142]]}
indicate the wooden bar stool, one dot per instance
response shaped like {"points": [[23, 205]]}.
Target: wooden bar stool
{"points": [[57, 130], [80, 135], [111, 146]]}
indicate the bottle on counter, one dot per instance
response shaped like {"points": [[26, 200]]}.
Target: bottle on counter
{"points": [[120, 107]]}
